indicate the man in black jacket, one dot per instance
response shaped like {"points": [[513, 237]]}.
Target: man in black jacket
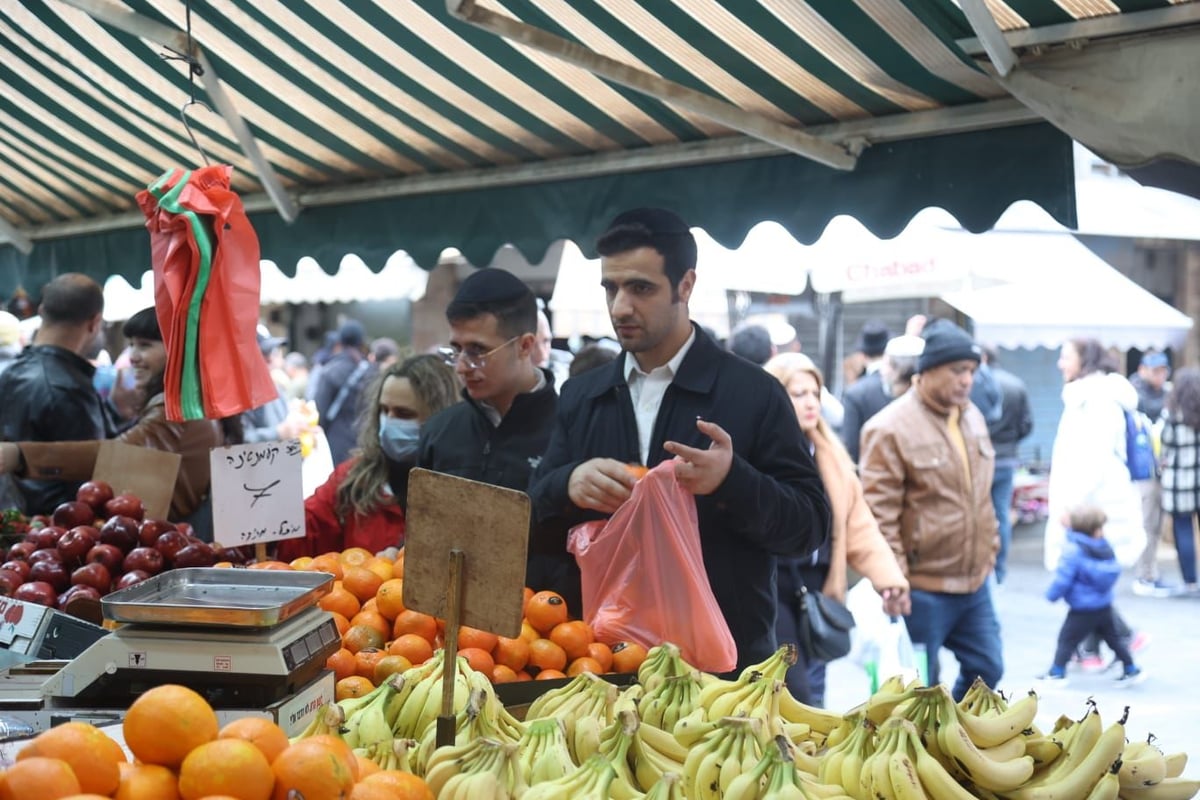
{"points": [[1013, 422], [675, 394], [498, 435], [47, 393]]}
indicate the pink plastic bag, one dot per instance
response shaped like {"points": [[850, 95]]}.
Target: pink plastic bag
{"points": [[643, 575]]}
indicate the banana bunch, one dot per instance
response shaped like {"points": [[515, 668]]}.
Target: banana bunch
{"points": [[395, 754], [892, 697], [664, 661], [842, 764], [590, 781], [585, 705], [419, 700], [1146, 773], [780, 780], [326, 722], [616, 742], [628, 698], [655, 753], [481, 769], [732, 747], [668, 787], [671, 698], [996, 771], [749, 695], [366, 722], [542, 752], [469, 723]]}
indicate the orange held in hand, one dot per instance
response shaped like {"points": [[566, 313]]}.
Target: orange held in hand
{"points": [[638, 471]]}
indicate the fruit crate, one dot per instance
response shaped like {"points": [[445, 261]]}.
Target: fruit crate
{"points": [[518, 695]]}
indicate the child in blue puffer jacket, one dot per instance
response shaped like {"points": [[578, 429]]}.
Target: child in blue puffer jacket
{"points": [[1087, 572]]}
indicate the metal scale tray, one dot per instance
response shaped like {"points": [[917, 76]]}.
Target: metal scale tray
{"points": [[209, 596]]}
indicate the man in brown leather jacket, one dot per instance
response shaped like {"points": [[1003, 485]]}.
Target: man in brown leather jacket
{"points": [[926, 469]]}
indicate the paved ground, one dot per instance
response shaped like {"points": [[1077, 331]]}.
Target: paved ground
{"points": [[1167, 704]]}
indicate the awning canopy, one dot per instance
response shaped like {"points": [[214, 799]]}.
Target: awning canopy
{"points": [[423, 124]]}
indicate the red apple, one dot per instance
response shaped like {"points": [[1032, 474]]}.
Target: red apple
{"points": [[95, 575], [107, 554], [125, 505], [121, 532], [45, 554], [146, 559], [52, 572], [77, 591], [151, 529], [73, 513], [95, 494], [9, 581], [45, 538], [170, 543], [38, 592], [185, 528], [21, 551], [195, 555], [17, 566], [131, 578], [75, 543]]}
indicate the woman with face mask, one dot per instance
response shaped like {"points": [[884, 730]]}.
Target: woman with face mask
{"points": [[363, 502]]}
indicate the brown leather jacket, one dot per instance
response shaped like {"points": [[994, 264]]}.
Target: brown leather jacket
{"points": [[940, 523], [75, 461]]}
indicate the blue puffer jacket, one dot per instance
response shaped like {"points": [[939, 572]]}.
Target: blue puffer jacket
{"points": [[1087, 572]]}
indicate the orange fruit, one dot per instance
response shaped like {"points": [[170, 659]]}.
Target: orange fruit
{"points": [[38, 777], [389, 600], [388, 666], [398, 565], [166, 723], [410, 621], [381, 567], [365, 766], [269, 565], [370, 605], [375, 620], [526, 593], [512, 653], [302, 563], [550, 674], [503, 674], [93, 757], [478, 659], [473, 637], [342, 663], [260, 732], [584, 664], [602, 653], [528, 632], [366, 660], [361, 582], [638, 471], [404, 785], [342, 623], [573, 637], [361, 637], [315, 769], [352, 686], [340, 600], [234, 767], [327, 563], [355, 556], [523, 675], [545, 654], [545, 610], [627, 656], [147, 782], [413, 647]]}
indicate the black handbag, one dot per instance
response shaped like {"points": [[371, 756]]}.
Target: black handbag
{"points": [[824, 625]]}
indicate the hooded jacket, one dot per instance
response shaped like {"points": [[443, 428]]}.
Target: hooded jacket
{"points": [[1086, 574]]}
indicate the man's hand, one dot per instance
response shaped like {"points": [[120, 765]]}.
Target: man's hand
{"points": [[601, 484], [703, 471], [897, 602]]}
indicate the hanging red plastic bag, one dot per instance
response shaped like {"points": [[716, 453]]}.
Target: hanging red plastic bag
{"points": [[643, 575]]}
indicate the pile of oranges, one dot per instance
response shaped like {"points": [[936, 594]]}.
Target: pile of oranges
{"points": [[182, 754], [381, 637]]}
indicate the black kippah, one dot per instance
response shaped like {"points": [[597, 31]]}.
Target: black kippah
{"points": [[658, 221], [490, 285]]}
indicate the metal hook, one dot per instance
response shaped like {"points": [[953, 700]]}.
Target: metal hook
{"points": [[187, 126]]}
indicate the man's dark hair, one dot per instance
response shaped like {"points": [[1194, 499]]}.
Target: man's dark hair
{"points": [[513, 317], [656, 228], [143, 325], [72, 299], [753, 343]]}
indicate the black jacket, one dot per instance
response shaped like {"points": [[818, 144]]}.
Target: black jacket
{"points": [[341, 431], [865, 398], [47, 395], [771, 503], [1015, 420]]}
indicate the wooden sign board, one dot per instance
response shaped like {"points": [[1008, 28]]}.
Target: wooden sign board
{"points": [[490, 525], [256, 493], [148, 473]]}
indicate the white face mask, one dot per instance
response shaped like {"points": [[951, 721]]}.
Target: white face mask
{"points": [[398, 438]]}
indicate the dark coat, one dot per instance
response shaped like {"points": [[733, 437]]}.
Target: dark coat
{"points": [[342, 370], [865, 398], [1015, 420], [771, 503]]}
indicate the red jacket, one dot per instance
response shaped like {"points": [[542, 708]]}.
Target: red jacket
{"points": [[381, 529]]}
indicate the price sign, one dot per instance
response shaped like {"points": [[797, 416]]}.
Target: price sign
{"points": [[18, 620], [256, 492]]}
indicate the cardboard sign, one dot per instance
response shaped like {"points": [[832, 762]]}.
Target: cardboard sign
{"points": [[256, 493], [148, 473]]}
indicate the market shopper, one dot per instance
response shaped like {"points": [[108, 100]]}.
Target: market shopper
{"points": [[48, 391], [854, 538], [926, 470], [339, 391], [500, 431], [1150, 381], [193, 439], [364, 501], [1181, 469], [274, 420], [1012, 424], [676, 394], [866, 396]]}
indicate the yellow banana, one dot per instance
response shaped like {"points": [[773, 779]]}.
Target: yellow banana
{"points": [[1107, 788], [818, 719], [543, 754], [1043, 749], [629, 698], [327, 720], [939, 784], [1007, 750], [1142, 764], [906, 784], [973, 765], [1166, 789], [668, 787], [750, 783], [1078, 740], [1080, 781], [993, 730], [1176, 762]]}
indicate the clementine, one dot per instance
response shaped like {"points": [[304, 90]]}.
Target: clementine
{"points": [[315, 769], [413, 647], [404, 785], [342, 663], [573, 637], [366, 660], [545, 654], [355, 556], [627, 656], [410, 621], [327, 563], [147, 782], [352, 686], [234, 767], [503, 674], [166, 723], [388, 666], [602, 653], [512, 653], [39, 777], [260, 732], [375, 620], [584, 664], [478, 659], [473, 637], [550, 674], [545, 610], [93, 756], [361, 582], [362, 637], [340, 600], [389, 600]]}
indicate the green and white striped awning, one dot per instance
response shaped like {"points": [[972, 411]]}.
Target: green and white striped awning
{"points": [[401, 124]]}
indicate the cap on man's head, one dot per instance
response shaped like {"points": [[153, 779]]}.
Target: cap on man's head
{"points": [[351, 334], [945, 343], [490, 285], [1153, 359], [873, 339], [10, 329], [266, 342]]}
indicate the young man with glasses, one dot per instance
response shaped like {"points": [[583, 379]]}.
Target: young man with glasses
{"points": [[498, 435]]}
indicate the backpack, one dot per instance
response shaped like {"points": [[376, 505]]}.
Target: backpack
{"points": [[1139, 447]]}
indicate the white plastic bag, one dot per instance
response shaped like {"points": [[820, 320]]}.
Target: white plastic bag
{"points": [[880, 644], [317, 466]]}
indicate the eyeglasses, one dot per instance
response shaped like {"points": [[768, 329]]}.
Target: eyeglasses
{"points": [[472, 358]]}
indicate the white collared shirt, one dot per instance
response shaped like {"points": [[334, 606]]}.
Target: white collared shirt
{"points": [[646, 390]]}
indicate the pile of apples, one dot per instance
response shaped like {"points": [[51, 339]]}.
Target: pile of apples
{"points": [[95, 544]]}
